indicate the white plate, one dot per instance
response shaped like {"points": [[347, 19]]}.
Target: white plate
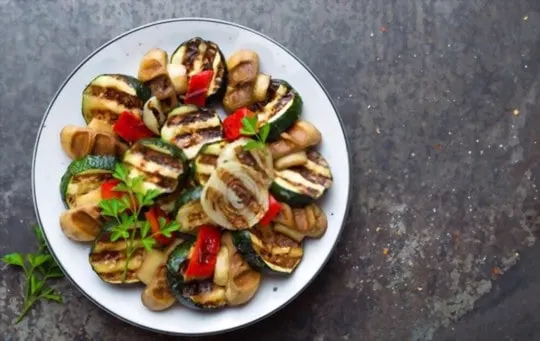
{"points": [[122, 55]]}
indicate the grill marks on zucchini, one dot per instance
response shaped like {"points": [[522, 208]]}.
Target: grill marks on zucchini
{"points": [[281, 108], [190, 128], [301, 185], [161, 165], [198, 55], [108, 95], [108, 259], [205, 162]]}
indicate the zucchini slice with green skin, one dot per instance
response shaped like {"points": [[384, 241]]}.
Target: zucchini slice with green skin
{"points": [[85, 175], [282, 107], [199, 55], [193, 294], [108, 95], [108, 258], [190, 213], [190, 128], [265, 249], [259, 161], [205, 162], [160, 164], [301, 185]]}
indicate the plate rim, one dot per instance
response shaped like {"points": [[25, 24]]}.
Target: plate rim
{"points": [[142, 27]]}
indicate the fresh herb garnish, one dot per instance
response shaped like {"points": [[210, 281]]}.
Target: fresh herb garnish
{"points": [[126, 211], [39, 268], [249, 128]]}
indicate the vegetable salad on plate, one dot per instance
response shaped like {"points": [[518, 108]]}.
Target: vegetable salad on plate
{"points": [[195, 207]]}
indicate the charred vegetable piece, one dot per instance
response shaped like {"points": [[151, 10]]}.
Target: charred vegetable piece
{"points": [[281, 108], [108, 259], [190, 128], [299, 136], [199, 55], [84, 176], [301, 185], [153, 72], [191, 214], [258, 160], [291, 160], [81, 224], [264, 248], [160, 164], [157, 296], [153, 115], [243, 67], [203, 294], [242, 281], [108, 95], [301, 221], [235, 197], [205, 162], [78, 142]]}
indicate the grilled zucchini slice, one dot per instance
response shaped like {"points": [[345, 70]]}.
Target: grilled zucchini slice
{"points": [[83, 177], [190, 128], [194, 294], [190, 212], [108, 258], [281, 108], [301, 185], [199, 55], [266, 249], [108, 95], [160, 164], [205, 162]]}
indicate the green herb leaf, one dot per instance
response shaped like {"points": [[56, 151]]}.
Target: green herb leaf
{"points": [[148, 243], [145, 228], [252, 144], [120, 172], [53, 295], [35, 284], [168, 229], [55, 273], [13, 259], [38, 260], [121, 187], [135, 184], [39, 235], [249, 125], [264, 131], [148, 198]]}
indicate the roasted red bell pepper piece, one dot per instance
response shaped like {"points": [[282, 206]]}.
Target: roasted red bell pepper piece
{"points": [[274, 207], [203, 259], [198, 88], [153, 215], [233, 123], [131, 128], [108, 192]]}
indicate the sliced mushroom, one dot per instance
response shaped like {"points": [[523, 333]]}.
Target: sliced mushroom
{"points": [[82, 223], [152, 261], [299, 136], [153, 71], [243, 68], [179, 78], [261, 87], [291, 160], [309, 221], [157, 296], [154, 115], [77, 142], [101, 126], [221, 270], [242, 281]]}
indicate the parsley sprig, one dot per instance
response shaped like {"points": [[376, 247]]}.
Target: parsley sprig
{"points": [[125, 213], [249, 128], [38, 268]]}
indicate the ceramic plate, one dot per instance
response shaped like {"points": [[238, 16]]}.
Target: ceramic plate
{"points": [[122, 55]]}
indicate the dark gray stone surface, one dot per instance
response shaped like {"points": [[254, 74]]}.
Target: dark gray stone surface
{"points": [[445, 174]]}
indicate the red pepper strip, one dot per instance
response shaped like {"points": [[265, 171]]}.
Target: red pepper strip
{"points": [[274, 207], [198, 88], [108, 192], [131, 128], [153, 215], [203, 258], [233, 123]]}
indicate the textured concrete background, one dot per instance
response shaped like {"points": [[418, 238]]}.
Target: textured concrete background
{"points": [[445, 173]]}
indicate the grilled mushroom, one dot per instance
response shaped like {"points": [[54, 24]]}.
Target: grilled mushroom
{"points": [[299, 222], [78, 142], [153, 71], [243, 67], [242, 281], [299, 136], [291, 160], [81, 224]]}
